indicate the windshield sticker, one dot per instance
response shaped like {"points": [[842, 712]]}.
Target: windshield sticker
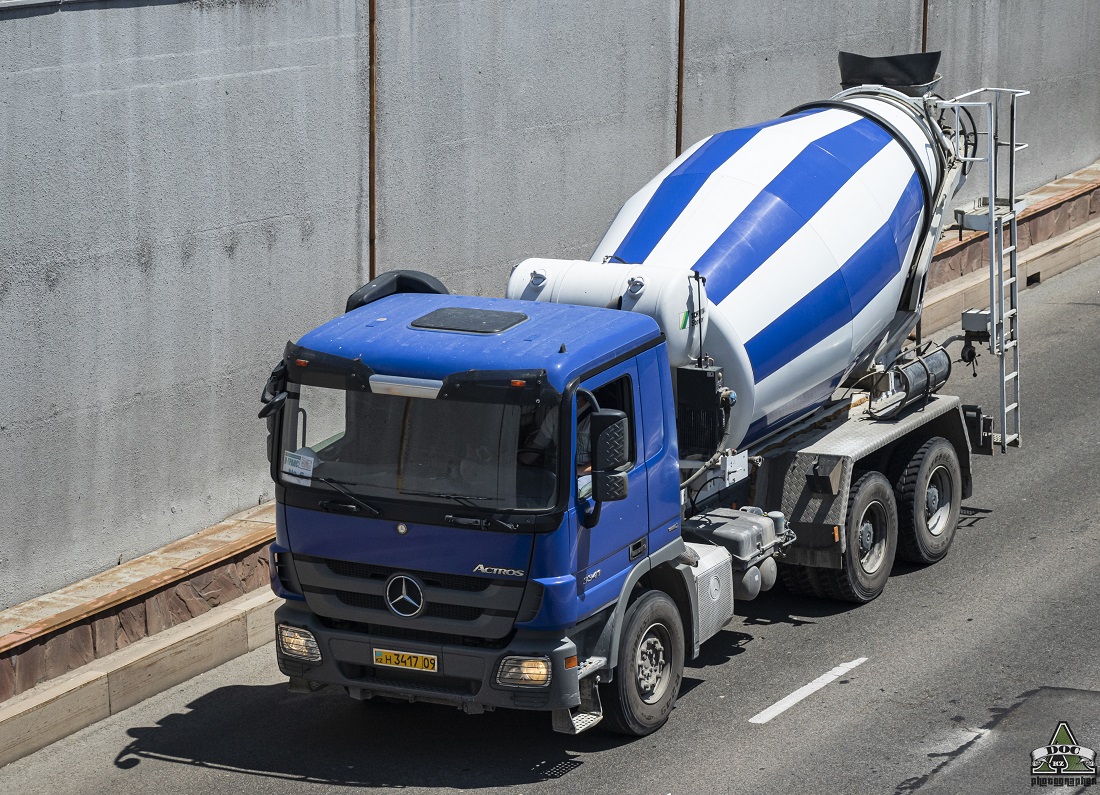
{"points": [[298, 467]]}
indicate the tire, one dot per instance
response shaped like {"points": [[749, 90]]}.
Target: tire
{"points": [[929, 497], [799, 579], [641, 696], [871, 539]]}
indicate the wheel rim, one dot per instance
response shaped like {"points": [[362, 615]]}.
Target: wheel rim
{"points": [[937, 500], [653, 664], [871, 537]]}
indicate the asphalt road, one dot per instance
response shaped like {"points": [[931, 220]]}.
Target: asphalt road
{"points": [[970, 664]]}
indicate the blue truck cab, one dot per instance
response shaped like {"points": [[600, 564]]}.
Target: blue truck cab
{"points": [[469, 492]]}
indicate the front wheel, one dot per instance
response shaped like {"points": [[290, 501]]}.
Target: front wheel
{"points": [[650, 667]]}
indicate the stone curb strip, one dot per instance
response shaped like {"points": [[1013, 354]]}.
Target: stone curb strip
{"points": [[944, 305], [56, 709]]}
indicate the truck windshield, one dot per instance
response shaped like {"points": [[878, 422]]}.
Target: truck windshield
{"points": [[484, 455]]}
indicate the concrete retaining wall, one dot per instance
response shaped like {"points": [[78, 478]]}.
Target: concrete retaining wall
{"points": [[185, 186], [746, 62], [507, 130], [179, 194], [1053, 49]]}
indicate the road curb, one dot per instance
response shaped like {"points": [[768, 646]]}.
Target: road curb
{"points": [[944, 305], [60, 707], [52, 635]]}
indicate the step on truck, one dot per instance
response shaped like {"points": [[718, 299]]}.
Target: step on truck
{"points": [[551, 501]]}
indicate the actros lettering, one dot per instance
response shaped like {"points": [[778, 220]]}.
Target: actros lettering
{"points": [[481, 568]]}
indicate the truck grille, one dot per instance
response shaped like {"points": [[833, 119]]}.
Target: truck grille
{"points": [[469, 607], [373, 602], [365, 571]]}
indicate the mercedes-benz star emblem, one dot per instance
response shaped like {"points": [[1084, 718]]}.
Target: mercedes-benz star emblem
{"points": [[404, 596]]}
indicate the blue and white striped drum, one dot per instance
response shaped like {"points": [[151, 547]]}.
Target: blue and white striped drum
{"points": [[805, 229]]}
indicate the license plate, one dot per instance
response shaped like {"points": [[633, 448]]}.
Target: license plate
{"points": [[401, 659]]}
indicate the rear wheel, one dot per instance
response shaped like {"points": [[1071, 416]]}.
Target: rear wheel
{"points": [[799, 579], [929, 496], [650, 667], [871, 538]]}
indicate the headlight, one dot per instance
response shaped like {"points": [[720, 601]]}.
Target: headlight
{"points": [[298, 643], [524, 671]]}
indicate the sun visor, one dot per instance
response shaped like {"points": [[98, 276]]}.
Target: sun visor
{"points": [[314, 368], [508, 387]]}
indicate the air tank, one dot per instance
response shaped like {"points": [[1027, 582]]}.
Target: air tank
{"points": [[804, 230]]}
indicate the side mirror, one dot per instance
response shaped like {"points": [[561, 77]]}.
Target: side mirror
{"points": [[273, 405], [610, 431], [274, 394]]}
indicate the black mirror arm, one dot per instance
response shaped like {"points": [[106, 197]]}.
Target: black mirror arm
{"points": [[591, 517], [274, 393], [276, 382], [595, 404]]}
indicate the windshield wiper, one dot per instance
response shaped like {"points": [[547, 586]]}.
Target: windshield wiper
{"points": [[335, 484], [370, 508], [463, 499], [488, 523]]}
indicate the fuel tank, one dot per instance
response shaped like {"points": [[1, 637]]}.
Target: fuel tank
{"points": [[803, 229]]}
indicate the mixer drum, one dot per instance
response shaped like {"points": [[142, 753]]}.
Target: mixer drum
{"points": [[804, 228]]}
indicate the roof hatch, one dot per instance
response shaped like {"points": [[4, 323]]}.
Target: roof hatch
{"points": [[476, 321]]}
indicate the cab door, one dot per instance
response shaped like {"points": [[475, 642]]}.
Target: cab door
{"points": [[608, 551]]}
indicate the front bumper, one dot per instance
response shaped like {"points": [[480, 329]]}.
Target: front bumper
{"points": [[466, 677]]}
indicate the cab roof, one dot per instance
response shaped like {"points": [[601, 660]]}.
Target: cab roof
{"points": [[410, 334]]}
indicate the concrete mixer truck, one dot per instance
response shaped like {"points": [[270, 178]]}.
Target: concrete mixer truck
{"points": [[550, 501]]}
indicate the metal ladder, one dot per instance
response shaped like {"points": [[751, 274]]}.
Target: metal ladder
{"points": [[996, 213]]}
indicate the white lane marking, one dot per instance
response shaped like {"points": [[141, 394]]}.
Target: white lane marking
{"points": [[784, 704]]}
